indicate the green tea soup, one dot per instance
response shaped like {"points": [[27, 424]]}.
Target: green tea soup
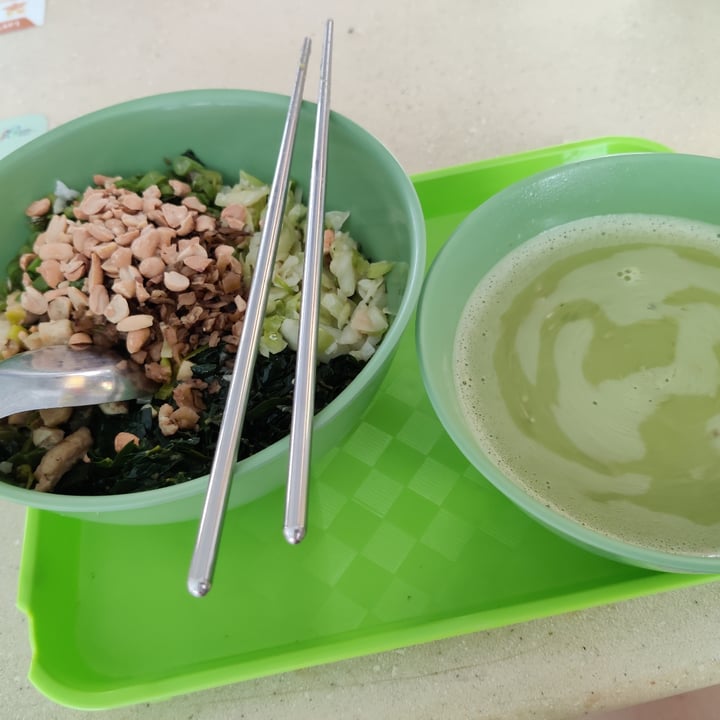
{"points": [[588, 365]]}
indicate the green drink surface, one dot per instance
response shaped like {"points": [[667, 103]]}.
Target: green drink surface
{"points": [[587, 363]]}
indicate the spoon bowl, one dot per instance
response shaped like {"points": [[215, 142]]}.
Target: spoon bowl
{"points": [[62, 376]]}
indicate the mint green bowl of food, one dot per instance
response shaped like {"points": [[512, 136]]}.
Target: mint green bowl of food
{"points": [[375, 258], [568, 337]]}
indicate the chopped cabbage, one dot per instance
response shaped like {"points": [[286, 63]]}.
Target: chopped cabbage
{"points": [[353, 296]]}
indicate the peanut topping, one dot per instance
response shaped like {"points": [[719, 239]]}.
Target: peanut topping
{"points": [[135, 322], [99, 299], [132, 268], [38, 208], [92, 203], [151, 267], [125, 438], [117, 309], [55, 251], [34, 301], [174, 214], [175, 281], [80, 339], [136, 338]]}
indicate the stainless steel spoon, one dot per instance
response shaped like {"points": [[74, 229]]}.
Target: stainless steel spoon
{"points": [[60, 376]]}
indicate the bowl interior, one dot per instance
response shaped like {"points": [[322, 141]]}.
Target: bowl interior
{"points": [[659, 184], [229, 130]]}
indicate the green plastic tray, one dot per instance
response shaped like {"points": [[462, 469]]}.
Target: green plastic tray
{"points": [[407, 544]]}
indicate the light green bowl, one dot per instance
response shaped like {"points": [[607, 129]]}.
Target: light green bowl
{"points": [[229, 130], [660, 184]]}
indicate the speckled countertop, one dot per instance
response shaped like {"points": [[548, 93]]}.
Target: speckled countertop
{"points": [[440, 84]]}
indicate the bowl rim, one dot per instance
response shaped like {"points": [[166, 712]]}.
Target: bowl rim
{"points": [[94, 505], [564, 525]]}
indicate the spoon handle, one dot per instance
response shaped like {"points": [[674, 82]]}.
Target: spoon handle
{"points": [[304, 393], [203, 560]]}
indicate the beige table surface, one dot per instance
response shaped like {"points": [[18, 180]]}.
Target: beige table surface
{"points": [[440, 83]]}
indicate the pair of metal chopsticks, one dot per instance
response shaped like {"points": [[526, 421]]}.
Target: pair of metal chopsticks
{"points": [[211, 521]]}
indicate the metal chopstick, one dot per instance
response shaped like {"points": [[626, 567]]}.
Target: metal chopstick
{"points": [[304, 392], [208, 537]]}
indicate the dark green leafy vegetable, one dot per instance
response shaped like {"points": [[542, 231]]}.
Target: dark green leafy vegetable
{"points": [[160, 461]]}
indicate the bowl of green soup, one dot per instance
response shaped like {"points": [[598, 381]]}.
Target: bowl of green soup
{"points": [[569, 339]]}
